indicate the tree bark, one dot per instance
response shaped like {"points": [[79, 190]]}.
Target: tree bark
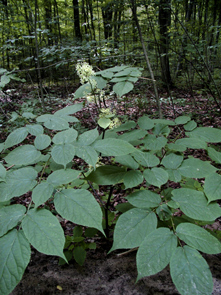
{"points": [[133, 7]]}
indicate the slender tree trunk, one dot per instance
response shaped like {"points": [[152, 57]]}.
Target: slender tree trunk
{"points": [[77, 29], [133, 4], [37, 58], [164, 23]]}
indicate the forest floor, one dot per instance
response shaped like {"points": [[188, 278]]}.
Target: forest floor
{"points": [[104, 274]]}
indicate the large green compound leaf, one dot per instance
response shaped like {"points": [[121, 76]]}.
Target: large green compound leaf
{"points": [[198, 238], [132, 178], [145, 123], [80, 207], [190, 272], [88, 137], [44, 232], [207, 134], [42, 141], [172, 161], [196, 168], [113, 147], [132, 227], [212, 187], [14, 256], [155, 252], [194, 204], [23, 155], [41, 193], [122, 88], [63, 153], [156, 176], [62, 176], [146, 159], [16, 137], [144, 199], [18, 182], [10, 216], [88, 154], [107, 175]]}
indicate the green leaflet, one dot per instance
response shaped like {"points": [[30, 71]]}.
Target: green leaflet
{"points": [[23, 155], [18, 182], [63, 153], [146, 159], [156, 176], [62, 176], [198, 238], [182, 120], [66, 136], [88, 154], [207, 134], [132, 178], [14, 256], [82, 91], [212, 187], [53, 122], [41, 193], [127, 161], [2, 173], [155, 252], [193, 203], [145, 123], [190, 125], [144, 199], [196, 168], [122, 88], [88, 137], [172, 161], [214, 155], [44, 232], [132, 227], [42, 141], [69, 110], [192, 143], [153, 143], [107, 175], [10, 216], [16, 137], [35, 129], [79, 206], [190, 272], [113, 147]]}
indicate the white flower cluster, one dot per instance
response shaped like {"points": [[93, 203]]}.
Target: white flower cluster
{"points": [[99, 94], [107, 113], [115, 123], [85, 71]]}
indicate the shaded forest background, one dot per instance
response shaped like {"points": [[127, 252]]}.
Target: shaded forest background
{"points": [[42, 40]]}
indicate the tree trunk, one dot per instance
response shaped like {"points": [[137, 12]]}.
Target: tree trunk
{"points": [[133, 4], [77, 28], [164, 23]]}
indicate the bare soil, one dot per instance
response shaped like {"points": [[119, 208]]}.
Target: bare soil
{"points": [[101, 274]]}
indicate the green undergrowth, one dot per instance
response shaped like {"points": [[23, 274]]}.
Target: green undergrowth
{"points": [[170, 194]]}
